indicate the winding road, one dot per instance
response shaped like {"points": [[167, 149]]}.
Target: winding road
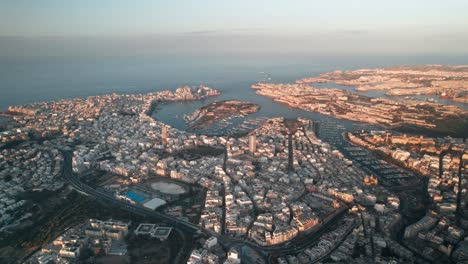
{"points": [[292, 247]]}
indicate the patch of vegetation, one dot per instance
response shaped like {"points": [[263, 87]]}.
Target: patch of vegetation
{"points": [[58, 213], [144, 249], [197, 152]]}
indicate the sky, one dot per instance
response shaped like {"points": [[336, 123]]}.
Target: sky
{"points": [[54, 27]]}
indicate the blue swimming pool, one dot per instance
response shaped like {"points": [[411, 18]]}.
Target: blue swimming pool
{"points": [[135, 197]]}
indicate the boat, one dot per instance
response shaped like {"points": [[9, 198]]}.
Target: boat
{"points": [[444, 95]]}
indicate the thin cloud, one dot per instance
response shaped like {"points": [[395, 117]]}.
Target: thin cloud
{"points": [[203, 32], [354, 32], [226, 31]]}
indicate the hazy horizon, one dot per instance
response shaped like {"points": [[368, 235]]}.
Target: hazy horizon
{"points": [[120, 27]]}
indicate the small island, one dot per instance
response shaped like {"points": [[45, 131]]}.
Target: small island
{"points": [[213, 112], [448, 82]]}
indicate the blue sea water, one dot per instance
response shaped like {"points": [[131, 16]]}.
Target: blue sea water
{"points": [[30, 79]]}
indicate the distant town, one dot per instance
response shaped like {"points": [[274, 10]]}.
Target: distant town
{"points": [[449, 82], [98, 180], [392, 113]]}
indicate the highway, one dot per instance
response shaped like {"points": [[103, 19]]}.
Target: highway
{"points": [[295, 246], [108, 198]]}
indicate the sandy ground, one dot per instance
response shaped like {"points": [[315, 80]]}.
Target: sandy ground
{"points": [[166, 187]]}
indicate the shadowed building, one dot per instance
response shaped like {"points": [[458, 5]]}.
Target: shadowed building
{"points": [[292, 125], [316, 128]]}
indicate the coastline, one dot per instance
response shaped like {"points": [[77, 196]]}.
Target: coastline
{"points": [[425, 116], [448, 82]]}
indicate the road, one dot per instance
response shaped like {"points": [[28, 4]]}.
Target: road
{"points": [[108, 198], [292, 247]]}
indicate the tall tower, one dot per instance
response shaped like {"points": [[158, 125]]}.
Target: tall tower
{"points": [[460, 186], [164, 133], [252, 144], [290, 154]]}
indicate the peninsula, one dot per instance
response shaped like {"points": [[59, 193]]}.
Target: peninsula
{"points": [[269, 191], [449, 82], [218, 110], [346, 105], [279, 192]]}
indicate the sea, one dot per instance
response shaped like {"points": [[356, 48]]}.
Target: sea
{"points": [[33, 79], [27, 79], [39, 78]]}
